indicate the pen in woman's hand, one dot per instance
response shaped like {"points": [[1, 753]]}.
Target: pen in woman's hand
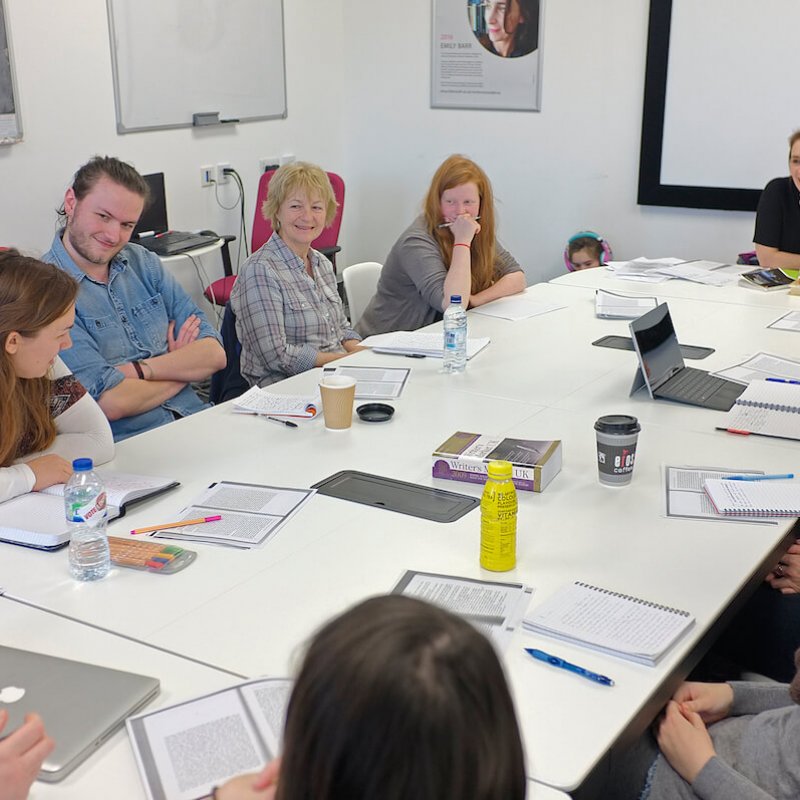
{"points": [[448, 224]]}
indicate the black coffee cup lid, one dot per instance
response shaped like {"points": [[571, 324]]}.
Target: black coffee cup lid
{"points": [[375, 412], [617, 424]]}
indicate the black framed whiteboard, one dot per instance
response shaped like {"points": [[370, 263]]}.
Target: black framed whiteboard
{"points": [[173, 59], [719, 101], [10, 123]]}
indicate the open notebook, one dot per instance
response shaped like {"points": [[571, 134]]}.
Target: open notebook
{"points": [[37, 519]]}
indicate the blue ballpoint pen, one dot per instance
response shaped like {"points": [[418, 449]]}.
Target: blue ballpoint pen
{"points": [[783, 380], [555, 661], [786, 477]]}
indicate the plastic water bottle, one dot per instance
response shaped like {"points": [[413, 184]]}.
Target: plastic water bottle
{"points": [[499, 519], [85, 507], [455, 336]]}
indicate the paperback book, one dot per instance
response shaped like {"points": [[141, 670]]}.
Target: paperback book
{"points": [[465, 457]]}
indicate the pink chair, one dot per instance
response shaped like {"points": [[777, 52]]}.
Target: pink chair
{"points": [[219, 291]]}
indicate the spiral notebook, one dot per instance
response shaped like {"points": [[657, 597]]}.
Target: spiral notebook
{"points": [[768, 408], [754, 498], [613, 623]]}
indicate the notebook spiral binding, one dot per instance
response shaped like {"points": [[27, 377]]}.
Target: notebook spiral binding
{"points": [[633, 599], [769, 406]]}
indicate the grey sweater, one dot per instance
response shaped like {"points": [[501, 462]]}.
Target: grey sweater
{"points": [[758, 752], [411, 287]]}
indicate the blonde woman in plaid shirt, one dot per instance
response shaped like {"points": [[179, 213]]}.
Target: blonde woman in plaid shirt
{"points": [[289, 317]]}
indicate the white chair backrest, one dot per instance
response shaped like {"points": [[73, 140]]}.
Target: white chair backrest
{"points": [[360, 282]]}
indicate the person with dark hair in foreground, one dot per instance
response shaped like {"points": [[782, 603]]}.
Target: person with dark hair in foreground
{"points": [[396, 699]]}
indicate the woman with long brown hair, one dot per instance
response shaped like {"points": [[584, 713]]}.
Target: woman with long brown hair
{"points": [[46, 416], [450, 249]]}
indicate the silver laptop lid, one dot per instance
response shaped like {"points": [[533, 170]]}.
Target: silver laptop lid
{"points": [[656, 346], [81, 704]]}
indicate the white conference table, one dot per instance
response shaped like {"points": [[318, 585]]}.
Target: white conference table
{"points": [[249, 612], [113, 764]]}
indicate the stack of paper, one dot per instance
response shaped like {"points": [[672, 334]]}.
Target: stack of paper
{"points": [[375, 383], [610, 305], [712, 273], [250, 514], [417, 343]]}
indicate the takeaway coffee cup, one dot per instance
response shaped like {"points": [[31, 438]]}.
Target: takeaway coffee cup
{"points": [[337, 392], [616, 448]]}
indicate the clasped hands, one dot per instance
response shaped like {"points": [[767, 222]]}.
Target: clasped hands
{"points": [[785, 576], [682, 733]]}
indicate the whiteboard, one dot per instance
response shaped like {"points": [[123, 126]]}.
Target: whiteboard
{"points": [[10, 125], [745, 106], [176, 58], [720, 101]]}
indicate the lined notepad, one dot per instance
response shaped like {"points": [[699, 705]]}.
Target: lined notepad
{"points": [[767, 408], [755, 498], [613, 623]]}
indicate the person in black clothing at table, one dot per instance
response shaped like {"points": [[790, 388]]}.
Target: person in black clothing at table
{"points": [[777, 234]]}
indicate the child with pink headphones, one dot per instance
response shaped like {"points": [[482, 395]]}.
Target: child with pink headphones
{"points": [[586, 249]]}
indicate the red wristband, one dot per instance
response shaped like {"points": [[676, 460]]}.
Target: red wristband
{"points": [[138, 367], [462, 244]]}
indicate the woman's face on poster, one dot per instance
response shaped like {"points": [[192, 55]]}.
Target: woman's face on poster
{"points": [[502, 19]]}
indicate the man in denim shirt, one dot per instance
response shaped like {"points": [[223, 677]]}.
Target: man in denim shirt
{"points": [[138, 339]]}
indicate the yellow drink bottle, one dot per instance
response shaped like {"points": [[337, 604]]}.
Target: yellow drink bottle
{"points": [[499, 519]]}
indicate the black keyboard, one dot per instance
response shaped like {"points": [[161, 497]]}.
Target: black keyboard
{"points": [[691, 385], [175, 242]]}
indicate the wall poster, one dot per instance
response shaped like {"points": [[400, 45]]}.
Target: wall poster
{"points": [[10, 126], [487, 54]]}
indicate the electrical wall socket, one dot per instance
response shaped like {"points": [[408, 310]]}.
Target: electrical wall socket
{"points": [[206, 175], [268, 162], [287, 158], [220, 177]]}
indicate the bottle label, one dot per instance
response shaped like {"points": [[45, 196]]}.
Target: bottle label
{"points": [[92, 514], [499, 526]]}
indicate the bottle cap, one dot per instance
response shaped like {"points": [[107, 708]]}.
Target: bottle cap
{"points": [[82, 464], [617, 424], [499, 469], [455, 298]]}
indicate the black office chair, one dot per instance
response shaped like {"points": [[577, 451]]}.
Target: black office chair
{"points": [[228, 383]]}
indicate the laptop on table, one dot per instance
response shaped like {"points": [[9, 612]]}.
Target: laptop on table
{"points": [[81, 705], [662, 370], [152, 230]]}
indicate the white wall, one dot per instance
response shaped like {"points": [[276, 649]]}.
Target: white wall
{"points": [[358, 80], [66, 94], [574, 165]]}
